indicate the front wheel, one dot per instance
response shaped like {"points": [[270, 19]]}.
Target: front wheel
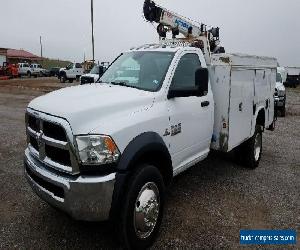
{"points": [[142, 212], [62, 78]]}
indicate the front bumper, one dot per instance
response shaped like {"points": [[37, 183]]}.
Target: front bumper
{"points": [[83, 198], [279, 101]]}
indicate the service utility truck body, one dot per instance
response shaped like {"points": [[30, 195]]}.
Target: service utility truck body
{"points": [[106, 151]]}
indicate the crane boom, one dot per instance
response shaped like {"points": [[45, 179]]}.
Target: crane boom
{"points": [[194, 33]]}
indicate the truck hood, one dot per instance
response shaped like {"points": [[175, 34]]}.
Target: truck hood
{"points": [[86, 107], [95, 76], [279, 86]]}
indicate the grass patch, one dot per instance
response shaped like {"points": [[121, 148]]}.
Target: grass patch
{"points": [[50, 63]]}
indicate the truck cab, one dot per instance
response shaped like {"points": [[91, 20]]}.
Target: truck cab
{"points": [[36, 69], [24, 69], [72, 72]]}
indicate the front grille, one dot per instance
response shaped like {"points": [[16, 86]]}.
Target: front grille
{"points": [[86, 80], [54, 131], [57, 191], [58, 155], [34, 123], [49, 140], [34, 143]]}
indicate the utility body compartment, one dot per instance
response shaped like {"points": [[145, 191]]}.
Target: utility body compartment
{"points": [[242, 86]]}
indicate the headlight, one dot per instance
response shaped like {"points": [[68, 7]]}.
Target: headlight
{"points": [[97, 150]]}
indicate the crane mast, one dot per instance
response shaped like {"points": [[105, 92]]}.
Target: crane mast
{"points": [[194, 34]]}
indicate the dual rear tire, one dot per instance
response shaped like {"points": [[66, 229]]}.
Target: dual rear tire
{"points": [[249, 153]]}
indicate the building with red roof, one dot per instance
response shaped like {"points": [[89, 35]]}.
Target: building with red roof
{"points": [[17, 56]]}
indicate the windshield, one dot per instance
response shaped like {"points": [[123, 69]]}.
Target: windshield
{"points": [[278, 77], [70, 66], [139, 69], [95, 70]]}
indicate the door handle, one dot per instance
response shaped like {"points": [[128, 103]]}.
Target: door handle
{"points": [[205, 104]]}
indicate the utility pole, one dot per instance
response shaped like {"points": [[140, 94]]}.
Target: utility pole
{"points": [[41, 46], [92, 21]]}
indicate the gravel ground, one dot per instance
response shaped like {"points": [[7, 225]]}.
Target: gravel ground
{"points": [[206, 206]]}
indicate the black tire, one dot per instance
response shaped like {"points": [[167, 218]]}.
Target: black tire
{"points": [[29, 74], [282, 111], [77, 78], [70, 80], [62, 78], [249, 153], [146, 176]]}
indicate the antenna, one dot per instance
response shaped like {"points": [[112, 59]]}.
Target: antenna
{"points": [[92, 22]]}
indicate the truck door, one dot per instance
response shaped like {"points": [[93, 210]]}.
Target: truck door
{"points": [[78, 69], [191, 118]]}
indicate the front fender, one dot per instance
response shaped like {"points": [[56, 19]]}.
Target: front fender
{"points": [[146, 142]]}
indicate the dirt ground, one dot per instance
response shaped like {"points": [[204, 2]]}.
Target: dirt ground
{"points": [[206, 206]]}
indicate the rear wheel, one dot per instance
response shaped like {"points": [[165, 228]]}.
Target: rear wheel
{"points": [[29, 74], [282, 111], [141, 214], [249, 153], [70, 80]]}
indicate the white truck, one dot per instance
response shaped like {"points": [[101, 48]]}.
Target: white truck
{"points": [[280, 94], [107, 151], [94, 75], [36, 69], [24, 69], [72, 72]]}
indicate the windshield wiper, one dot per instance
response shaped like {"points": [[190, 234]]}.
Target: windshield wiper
{"points": [[120, 84], [124, 84]]}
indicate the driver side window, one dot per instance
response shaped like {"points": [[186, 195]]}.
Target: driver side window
{"points": [[184, 77]]}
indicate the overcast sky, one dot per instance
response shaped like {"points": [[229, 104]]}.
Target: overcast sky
{"points": [[260, 27]]}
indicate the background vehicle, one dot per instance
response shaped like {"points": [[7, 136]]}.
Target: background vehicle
{"points": [[93, 76], [37, 69], [72, 72], [9, 70], [280, 95], [108, 150], [293, 76], [24, 69], [283, 72], [54, 71]]}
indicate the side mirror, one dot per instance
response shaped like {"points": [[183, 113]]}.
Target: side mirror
{"points": [[173, 93], [201, 78]]}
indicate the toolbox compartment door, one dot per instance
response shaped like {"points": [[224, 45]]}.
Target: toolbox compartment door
{"points": [[241, 105]]}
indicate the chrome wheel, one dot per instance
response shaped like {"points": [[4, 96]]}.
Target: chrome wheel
{"points": [[257, 146], [146, 210]]}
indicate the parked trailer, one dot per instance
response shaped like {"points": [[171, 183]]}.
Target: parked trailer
{"points": [[293, 76]]}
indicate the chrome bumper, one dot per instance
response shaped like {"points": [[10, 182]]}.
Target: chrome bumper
{"points": [[83, 198]]}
